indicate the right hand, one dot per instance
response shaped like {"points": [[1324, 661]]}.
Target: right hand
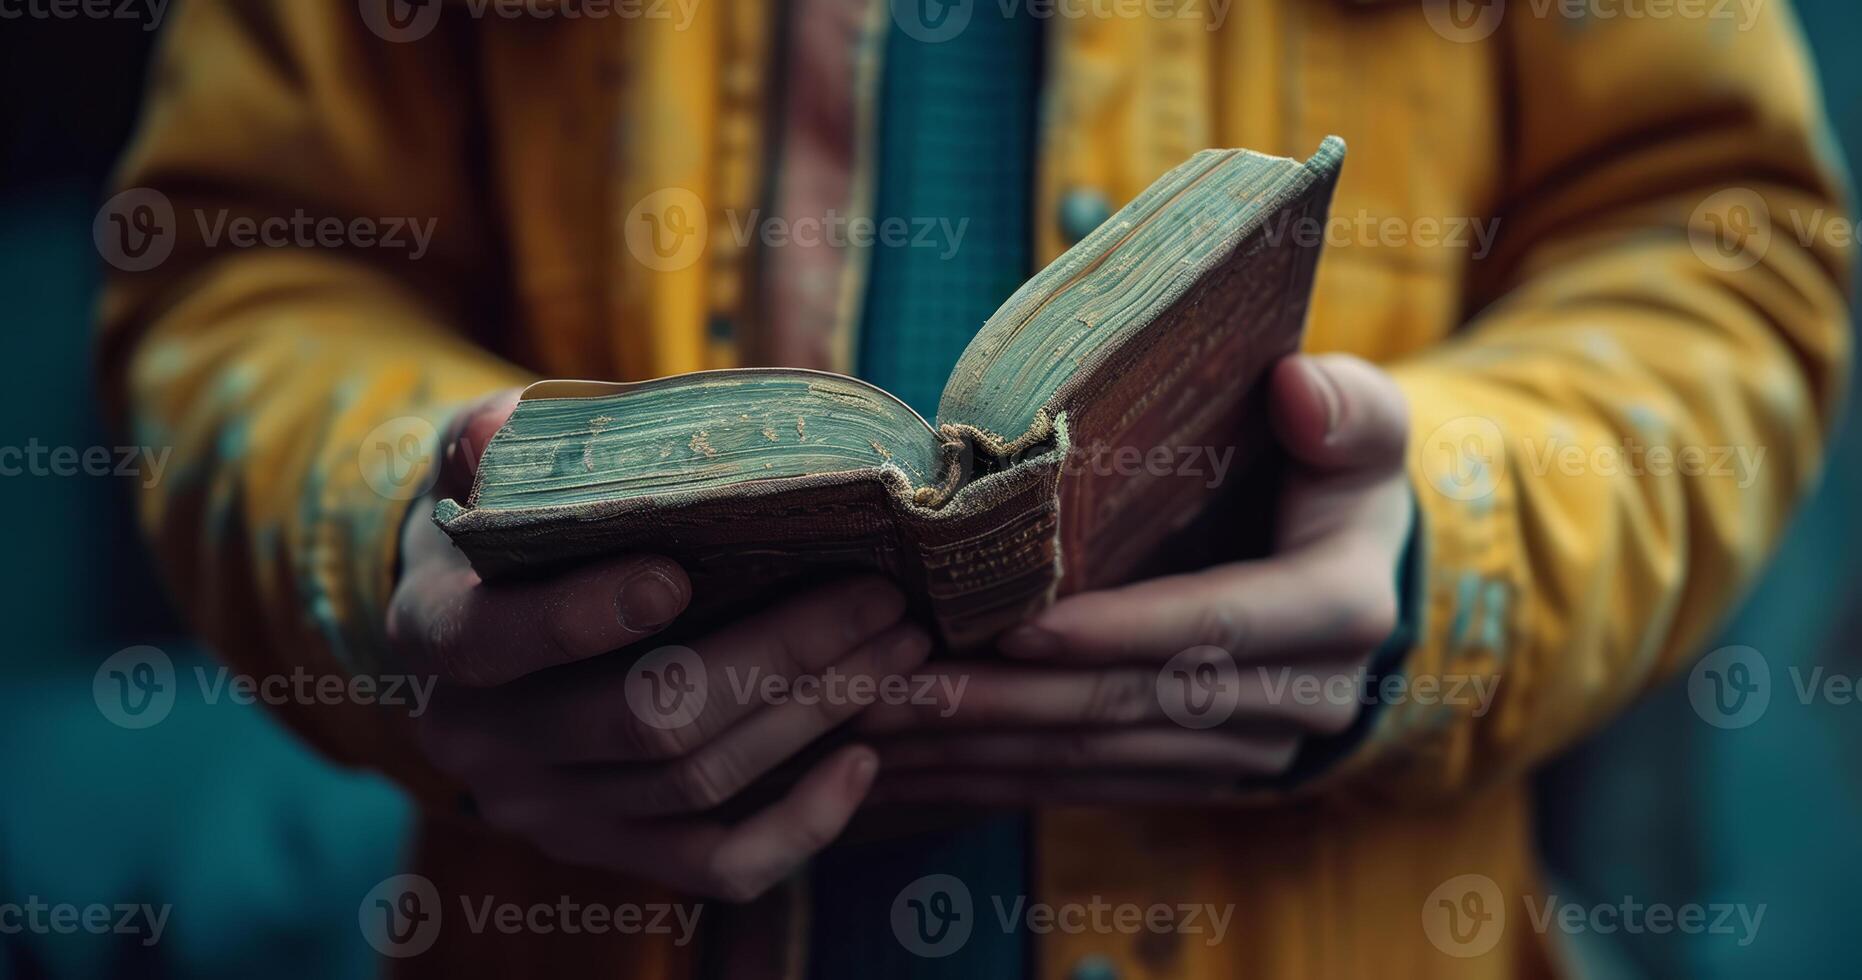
{"points": [[532, 717]]}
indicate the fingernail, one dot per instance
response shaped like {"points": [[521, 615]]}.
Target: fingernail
{"points": [[1328, 393], [458, 470], [914, 641], [1031, 642], [861, 774], [911, 644], [649, 601]]}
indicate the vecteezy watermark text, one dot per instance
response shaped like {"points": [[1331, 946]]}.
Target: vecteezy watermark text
{"points": [[936, 21], [39, 917], [149, 12], [137, 687], [1286, 686], [402, 21], [669, 230], [668, 688], [1465, 916], [1476, 236], [1209, 463], [1468, 21], [934, 916], [37, 459], [402, 916], [137, 230], [1632, 457], [1733, 686], [833, 686]]}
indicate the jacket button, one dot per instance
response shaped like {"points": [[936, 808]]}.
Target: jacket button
{"points": [[1094, 968], [1081, 211]]}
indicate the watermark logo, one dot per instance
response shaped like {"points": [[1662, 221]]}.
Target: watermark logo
{"points": [[400, 917], [1464, 457], [666, 231], [1475, 692], [670, 229], [1731, 687], [135, 687], [400, 21], [1465, 21], [933, 916], [1468, 21], [1199, 687], [666, 689], [837, 687], [1465, 916], [135, 230], [1365, 229], [396, 457], [931, 21], [1731, 231], [937, 21]]}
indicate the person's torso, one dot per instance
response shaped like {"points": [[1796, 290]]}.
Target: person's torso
{"points": [[679, 196]]}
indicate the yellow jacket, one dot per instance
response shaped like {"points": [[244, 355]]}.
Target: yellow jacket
{"points": [[1663, 269]]}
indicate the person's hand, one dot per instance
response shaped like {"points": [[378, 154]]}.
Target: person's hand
{"points": [[1097, 699], [539, 725]]}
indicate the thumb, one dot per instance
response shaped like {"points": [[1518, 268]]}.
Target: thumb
{"points": [[466, 436], [1338, 412]]}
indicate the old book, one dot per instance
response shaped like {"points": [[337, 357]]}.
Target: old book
{"points": [[1112, 400]]}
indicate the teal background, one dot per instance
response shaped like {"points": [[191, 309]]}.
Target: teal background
{"points": [[264, 851]]}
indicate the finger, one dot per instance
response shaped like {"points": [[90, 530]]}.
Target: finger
{"points": [[706, 778], [976, 696], [1338, 412], [729, 764], [1145, 750], [997, 697], [733, 863], [797, 638], [585, 714], [1288, 608], [467, 434], [451, 624], [768, 847], [995, 789]]}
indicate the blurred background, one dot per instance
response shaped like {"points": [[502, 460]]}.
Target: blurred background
{"points": [[265, 850]]}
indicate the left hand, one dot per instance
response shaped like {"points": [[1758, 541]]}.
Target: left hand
{"points": [[1081, 709]]}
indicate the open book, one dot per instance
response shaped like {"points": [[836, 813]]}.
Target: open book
{"points": [[1109, 402]]}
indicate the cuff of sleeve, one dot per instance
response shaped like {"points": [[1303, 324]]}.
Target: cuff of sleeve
{"points": [[1318, 755], [1461, 613], [381, 458], [359, 498]]}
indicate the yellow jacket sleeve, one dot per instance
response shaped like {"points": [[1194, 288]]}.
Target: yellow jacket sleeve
{"points": [[1605, 456], [297, 328]]}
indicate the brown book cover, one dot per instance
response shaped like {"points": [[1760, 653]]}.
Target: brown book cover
{"points": [[1109, 404]]}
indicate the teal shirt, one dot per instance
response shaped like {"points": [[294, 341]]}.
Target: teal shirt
{"points": [[956, 159]]}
